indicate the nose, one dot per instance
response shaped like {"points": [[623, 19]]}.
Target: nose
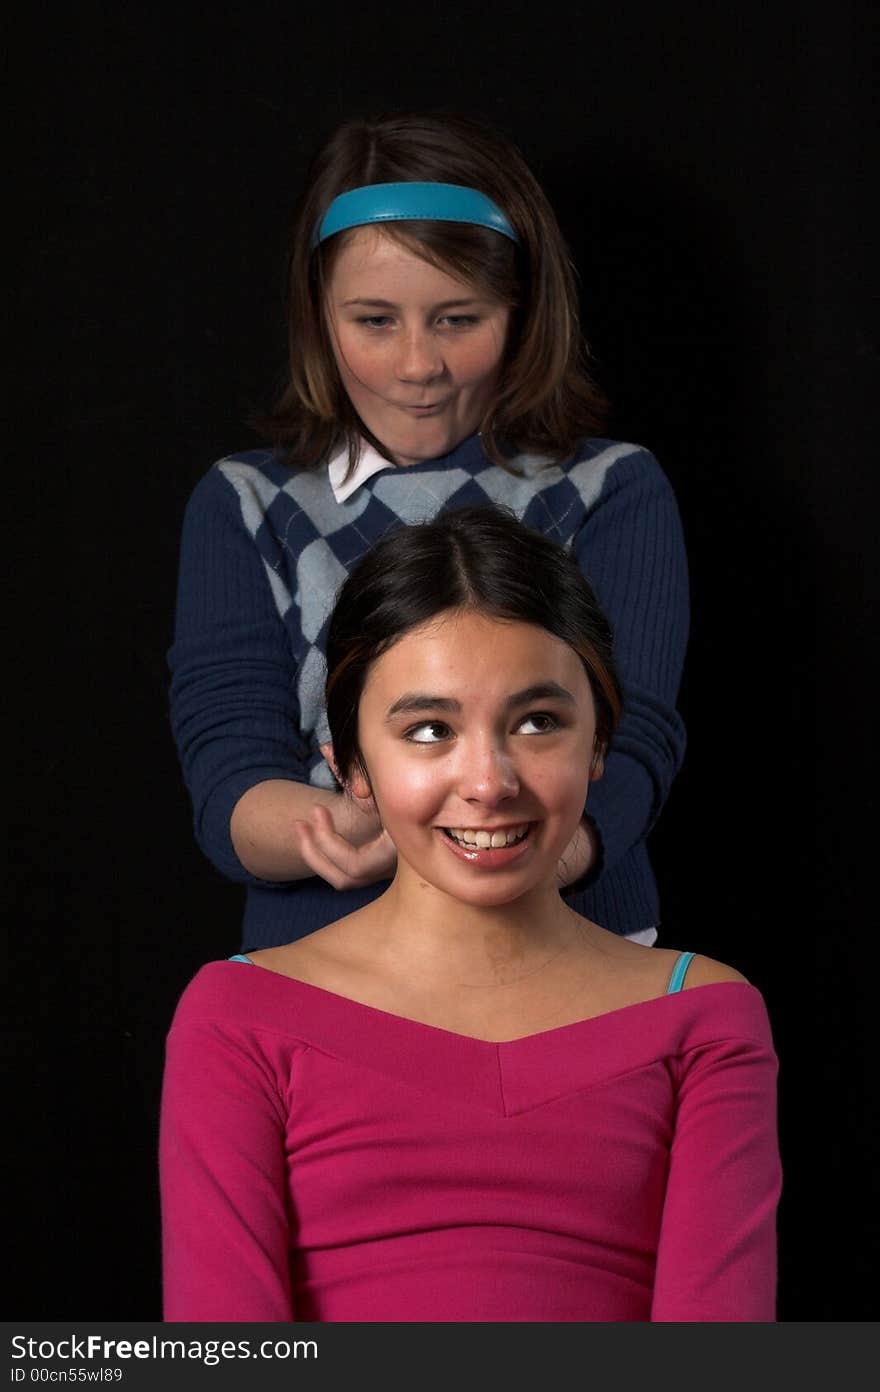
{"points": [[420, 359], [488, 775]]}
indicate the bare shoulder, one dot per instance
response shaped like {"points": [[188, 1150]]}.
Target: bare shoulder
{"points": [[296, 959], [272, 958], [645, 972], [705, 971], [319, 959]]}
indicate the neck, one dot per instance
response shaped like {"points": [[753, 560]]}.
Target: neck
{"points": [[425, 932]]}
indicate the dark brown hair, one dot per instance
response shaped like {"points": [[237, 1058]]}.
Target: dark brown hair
{"points": [[480, 559], [545, 400]]}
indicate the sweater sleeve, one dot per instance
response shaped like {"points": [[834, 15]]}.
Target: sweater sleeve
{"points": [[716, 1259], [225, 1231], [234, 711], [631, 549]]}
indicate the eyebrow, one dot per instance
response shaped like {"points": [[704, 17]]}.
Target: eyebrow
{"points": [[415, 701], [389, 304]]}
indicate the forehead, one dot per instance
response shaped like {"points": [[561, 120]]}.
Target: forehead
{"points": [[371, 262], [474, 658]]}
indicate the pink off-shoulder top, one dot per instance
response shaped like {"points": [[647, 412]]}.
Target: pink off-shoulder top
{"points": [[322, 1160]]}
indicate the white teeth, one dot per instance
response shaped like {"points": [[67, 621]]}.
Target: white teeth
{"points": [[482, 840]]}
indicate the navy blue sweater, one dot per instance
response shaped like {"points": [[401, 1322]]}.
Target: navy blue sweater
{"points": [[265, 548]]}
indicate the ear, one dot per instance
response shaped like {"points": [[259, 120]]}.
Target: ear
{"points": [[597, 763], [330, 760], [359, 785]]}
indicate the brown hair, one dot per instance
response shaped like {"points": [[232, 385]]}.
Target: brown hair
{"points": [[475, 558], [544, 400]]}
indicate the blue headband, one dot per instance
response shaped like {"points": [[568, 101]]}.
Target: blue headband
{"points": [[405, 202]]}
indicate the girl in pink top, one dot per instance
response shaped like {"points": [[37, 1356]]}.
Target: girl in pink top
{"points": [[464, 1102]]}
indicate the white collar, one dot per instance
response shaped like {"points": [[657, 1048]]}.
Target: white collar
{"points": [[369, 463]]}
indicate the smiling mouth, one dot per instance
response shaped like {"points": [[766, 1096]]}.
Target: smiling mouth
{"points": [[485, 840]]}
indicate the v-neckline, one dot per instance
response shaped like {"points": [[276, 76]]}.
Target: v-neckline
{"points": [[341, 1001], [506, 1078]]}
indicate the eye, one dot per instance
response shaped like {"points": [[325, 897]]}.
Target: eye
{"points": [[375, 321], [541, 722], [429, 732], [460, 321]]}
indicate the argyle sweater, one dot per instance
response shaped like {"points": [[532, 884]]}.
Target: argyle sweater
{"points": [[264, 550]]}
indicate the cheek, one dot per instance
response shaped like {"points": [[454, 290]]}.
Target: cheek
{"points": [[561, 786], [478, 363], [352, 364], [405, 788], [358, 362]]}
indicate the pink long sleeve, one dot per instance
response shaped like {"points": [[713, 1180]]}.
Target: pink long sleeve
{"points": [[716, 1260], [222, 1164], [325, 1160]]}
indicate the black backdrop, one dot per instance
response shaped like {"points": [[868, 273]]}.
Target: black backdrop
{"points": [[706, 165]]}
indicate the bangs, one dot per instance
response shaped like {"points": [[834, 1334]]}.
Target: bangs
{"points": [[478, 257]]}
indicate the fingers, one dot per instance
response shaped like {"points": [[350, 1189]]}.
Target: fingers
{"points": [[356, 819], [578, 857], [323, 850], [337, 860]]}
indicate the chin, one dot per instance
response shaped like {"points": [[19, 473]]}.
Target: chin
{"points": [[489, 893], [416, 452], [424, 445]]}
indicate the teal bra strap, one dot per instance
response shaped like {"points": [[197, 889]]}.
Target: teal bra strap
{"points": [[239, 958], [676, 980]]}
